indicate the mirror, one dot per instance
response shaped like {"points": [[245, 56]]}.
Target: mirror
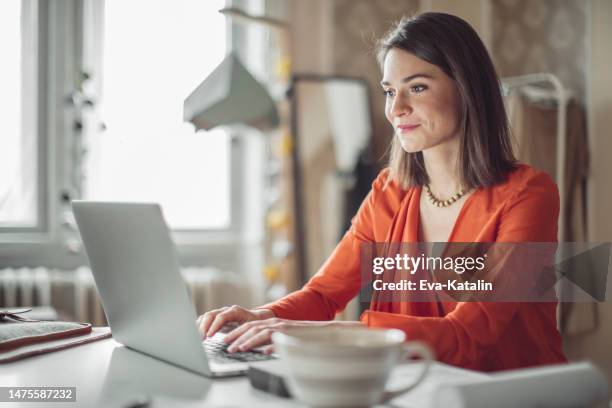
{"points": [[332, 125]]}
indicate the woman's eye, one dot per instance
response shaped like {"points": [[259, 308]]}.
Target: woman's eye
{"points": [[388, 93], [418, 88]]}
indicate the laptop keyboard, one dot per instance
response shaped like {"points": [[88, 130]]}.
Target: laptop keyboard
{"points": [[216, 351]]}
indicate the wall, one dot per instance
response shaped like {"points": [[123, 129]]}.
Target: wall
{"points": [[311, 29], [541, 36], [475, 12]]}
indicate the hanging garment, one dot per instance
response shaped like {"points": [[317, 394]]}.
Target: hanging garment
{"points": [[534, 127]]}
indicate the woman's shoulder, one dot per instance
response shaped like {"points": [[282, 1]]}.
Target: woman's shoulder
{"points": [[525, 176], [386, 187], [525, 180]]}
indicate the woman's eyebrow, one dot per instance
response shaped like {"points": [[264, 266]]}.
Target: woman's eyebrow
{"points": [[409, 78]]}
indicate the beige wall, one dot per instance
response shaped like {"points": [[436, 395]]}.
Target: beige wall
{"points": [[311, 27], [475, 12], [599, 100], [541, 36]]}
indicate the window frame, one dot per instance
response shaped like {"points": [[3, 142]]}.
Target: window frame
{"points": [[47, 244], [34, 12], [55, 243]]}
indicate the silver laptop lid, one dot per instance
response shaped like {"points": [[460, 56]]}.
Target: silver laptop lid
{"points": [[136, 270]]}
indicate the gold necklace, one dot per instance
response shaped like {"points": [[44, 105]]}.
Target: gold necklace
{"points": [[444, 203]]}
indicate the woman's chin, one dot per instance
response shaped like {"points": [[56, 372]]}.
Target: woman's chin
{"points": [[411, 147]]}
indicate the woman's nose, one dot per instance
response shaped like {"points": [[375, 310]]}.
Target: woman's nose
{"points": [[400, 106]]}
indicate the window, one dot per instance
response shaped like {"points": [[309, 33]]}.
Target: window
{"points": [[19, 189], [155, 53], [71, 66]]}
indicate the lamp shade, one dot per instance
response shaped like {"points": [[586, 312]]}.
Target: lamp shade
{"points": [[230, 95]]}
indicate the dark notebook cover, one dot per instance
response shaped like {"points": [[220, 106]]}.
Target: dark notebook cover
{"points": [[21, 337]]}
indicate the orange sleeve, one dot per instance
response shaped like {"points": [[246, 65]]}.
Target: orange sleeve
{"points": [[463, 336], [338, 280]]}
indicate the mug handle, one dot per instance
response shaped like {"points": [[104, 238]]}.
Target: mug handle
{"points": [[414, 348]]}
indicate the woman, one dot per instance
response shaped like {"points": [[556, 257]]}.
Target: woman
{"points": [[452, 177]]}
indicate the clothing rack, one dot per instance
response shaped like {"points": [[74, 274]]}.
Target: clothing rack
{"points": [[562, 96]]}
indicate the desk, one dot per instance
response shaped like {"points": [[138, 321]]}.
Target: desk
{"points": [[107, 374]]}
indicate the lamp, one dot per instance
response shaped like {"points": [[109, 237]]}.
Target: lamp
{"points": [[230, 95]]}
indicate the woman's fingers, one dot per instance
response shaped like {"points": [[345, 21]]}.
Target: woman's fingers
{"points": [[231, 314], [269, 349], [226, 316], [204, 321], [242, 329], [249, 332], [255, 337], [239, 331]]}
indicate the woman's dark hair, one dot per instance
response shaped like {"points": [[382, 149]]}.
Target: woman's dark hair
{"points": [[452, 44]]}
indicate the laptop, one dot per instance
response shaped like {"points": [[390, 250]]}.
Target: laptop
{"points": [[146, 301]]}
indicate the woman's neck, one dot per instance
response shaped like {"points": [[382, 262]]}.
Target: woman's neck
{"points": [[441, 163]]}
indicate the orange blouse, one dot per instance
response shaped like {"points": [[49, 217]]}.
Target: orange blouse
{"points": [[485, 336]]}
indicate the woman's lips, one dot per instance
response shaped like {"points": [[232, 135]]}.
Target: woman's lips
{"points": [[407, 128]]}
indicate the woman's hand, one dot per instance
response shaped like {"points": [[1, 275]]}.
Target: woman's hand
{"points": [[211, 322], [258, 333]]}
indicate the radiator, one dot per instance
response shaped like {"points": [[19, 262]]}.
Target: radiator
{"points": [[74, 296]]}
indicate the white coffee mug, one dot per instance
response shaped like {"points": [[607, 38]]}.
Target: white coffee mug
{"points": [[346, 366]]}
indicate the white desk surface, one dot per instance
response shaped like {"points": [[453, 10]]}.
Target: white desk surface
{"points": [[106, 374]]}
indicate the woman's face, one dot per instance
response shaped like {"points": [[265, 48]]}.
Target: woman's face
{"points": [[423, 103]]}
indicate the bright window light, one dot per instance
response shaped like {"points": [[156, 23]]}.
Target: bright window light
{"points": [[155, 53], [18, 147]]}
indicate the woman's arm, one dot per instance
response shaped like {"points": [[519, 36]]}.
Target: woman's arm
{"points": [[328, 292], [338, 280]]}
